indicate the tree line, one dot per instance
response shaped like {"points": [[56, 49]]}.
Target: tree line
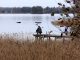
{"points": [[32, 10]]}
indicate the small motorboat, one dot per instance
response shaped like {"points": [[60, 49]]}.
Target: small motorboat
{"points": [[38, 22], [18, 22]]}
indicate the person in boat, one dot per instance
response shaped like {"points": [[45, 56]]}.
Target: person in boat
{"points": [[66, 30], [39, 30]]}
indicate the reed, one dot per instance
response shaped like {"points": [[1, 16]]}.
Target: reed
{"points": [[15, 49]]}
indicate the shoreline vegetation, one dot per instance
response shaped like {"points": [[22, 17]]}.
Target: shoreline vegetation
{"points": [[32, 10], [14, 49]]}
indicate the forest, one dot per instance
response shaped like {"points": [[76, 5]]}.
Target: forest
{"points": [[32, 10]]}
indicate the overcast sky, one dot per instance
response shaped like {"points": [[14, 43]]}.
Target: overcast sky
{"points": [[30, 3]]}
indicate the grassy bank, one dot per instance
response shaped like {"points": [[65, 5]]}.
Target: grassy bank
{"points": [[13, 49]]}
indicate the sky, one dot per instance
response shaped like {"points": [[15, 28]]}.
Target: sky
{"points": [[29, 3]]}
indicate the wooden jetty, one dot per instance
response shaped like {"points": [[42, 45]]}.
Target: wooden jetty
{"points": [[48, 36]]}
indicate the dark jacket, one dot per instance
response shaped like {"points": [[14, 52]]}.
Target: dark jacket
{"points": [[39, 30]]}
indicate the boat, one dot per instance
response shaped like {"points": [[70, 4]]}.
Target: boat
{"points": [[38, 22], [18, 22]]}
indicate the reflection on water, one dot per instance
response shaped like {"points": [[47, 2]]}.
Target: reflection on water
{"points": [[8, 23]]}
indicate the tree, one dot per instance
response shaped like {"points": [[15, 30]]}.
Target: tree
{"points": [[37, 10], [73, 23], [47, 10], [26, 10]]}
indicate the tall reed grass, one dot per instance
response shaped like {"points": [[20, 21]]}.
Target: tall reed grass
{"points": [[14, 49]]}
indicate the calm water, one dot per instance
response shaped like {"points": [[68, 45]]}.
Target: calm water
{"points": [[8, 23]]}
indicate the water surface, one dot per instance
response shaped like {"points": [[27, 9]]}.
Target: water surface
{"points": [[28, 26]]}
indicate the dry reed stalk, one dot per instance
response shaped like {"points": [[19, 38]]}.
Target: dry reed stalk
{"points": [[12, 49]]}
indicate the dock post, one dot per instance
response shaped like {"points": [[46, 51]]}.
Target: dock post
{"points": [[36, 38], [49, 38], [63, 39], [55, 38]]}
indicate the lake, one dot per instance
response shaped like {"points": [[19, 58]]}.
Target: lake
{"points": [[28, 25]]}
